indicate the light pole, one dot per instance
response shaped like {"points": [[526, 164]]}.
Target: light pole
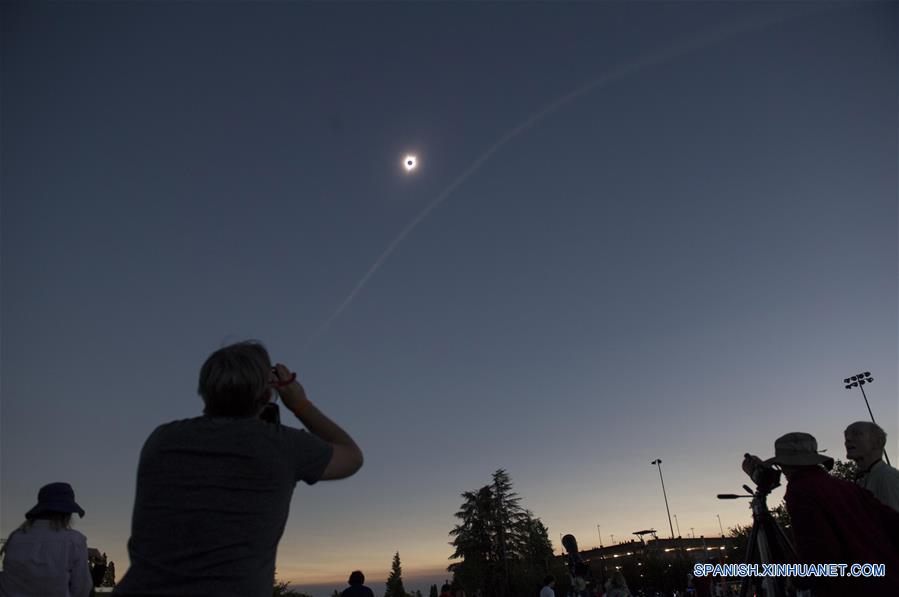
{"points": [[658, 462], [692, 534], [600, 535], [858, 381], [677, 524], [720, 526]]}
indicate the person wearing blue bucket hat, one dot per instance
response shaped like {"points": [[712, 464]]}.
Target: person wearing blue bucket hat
{"points": [[55, 497], [45, 557]]}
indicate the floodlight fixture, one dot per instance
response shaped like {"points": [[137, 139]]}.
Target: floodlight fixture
{"points": [[658, 462], [858, 381]]}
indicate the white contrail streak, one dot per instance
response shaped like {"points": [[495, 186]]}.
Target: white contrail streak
{"points": [[622, 71]]}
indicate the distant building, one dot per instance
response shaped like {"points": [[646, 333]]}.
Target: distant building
{"points": [[610, 558]]}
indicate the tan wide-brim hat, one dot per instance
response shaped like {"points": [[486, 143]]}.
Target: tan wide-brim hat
{"points": [[798, 449]]}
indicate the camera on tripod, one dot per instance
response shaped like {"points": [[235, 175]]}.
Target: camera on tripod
{"points": [[765, 476], [768, 543]]}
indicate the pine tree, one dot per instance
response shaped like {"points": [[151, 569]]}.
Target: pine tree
{"points": [[538, 549], [509, 532], [395, 580], [538, 556], [473, 541], [504, 550]]}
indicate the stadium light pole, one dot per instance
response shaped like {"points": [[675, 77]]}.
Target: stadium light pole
{"points": [[858, 381], [658, 462]]}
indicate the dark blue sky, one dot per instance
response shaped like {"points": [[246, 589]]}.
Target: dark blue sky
{"points": [[682, 262]]}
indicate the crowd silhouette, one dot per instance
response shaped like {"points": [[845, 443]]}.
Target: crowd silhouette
{"points": [[213, 495]]}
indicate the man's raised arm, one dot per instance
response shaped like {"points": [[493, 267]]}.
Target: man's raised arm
{"points": [[347, 457]]}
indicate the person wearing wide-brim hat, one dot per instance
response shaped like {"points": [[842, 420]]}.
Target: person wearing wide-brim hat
{"points": [[835, 522], [798, 449], [45, 557]]}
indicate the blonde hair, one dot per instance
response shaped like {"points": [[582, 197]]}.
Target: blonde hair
{"points": [[58, 521]]}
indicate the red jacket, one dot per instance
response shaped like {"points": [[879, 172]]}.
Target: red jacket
{"points": [[837, 522]]}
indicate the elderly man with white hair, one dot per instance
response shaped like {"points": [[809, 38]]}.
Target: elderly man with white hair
{"points": [[865, 442]]}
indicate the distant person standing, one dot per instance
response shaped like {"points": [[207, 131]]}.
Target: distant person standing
{"points": [[357, 586], [617, 586], [549, 581], [865, 443], [45, 557], [700, 586], [213, 492]]}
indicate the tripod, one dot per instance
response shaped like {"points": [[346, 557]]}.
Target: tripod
{"points": [[768, 544]]}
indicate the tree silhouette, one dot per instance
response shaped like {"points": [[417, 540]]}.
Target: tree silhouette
{"points": [[282, 589], [109, 577], [503, 549], [395, 580], [845, 470]]}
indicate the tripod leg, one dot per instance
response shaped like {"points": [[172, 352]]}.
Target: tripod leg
{"points": [[772, 550], [751, 556]]}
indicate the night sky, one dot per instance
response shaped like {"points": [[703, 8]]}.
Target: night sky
{"points": [[651, 230]]}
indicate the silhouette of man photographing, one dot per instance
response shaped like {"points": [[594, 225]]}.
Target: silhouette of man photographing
{"points": [[213, 492]]}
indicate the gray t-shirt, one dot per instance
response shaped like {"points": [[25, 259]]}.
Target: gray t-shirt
{"points": [[212, 500], [883, 481]]}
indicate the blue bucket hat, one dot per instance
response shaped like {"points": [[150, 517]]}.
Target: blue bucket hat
{"points": [[55, 497]]}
